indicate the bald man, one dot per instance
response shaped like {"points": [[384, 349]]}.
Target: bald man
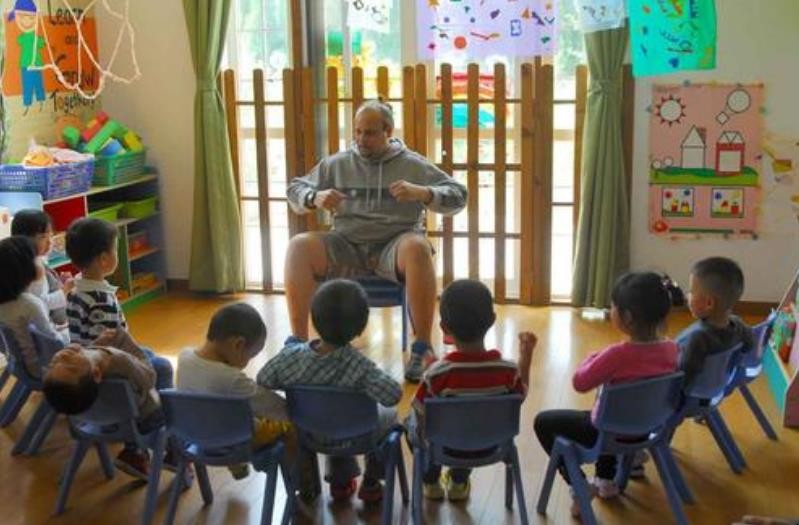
{"points": [[377, 191]]}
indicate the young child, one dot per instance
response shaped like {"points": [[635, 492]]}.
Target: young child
{"points": [[715, 285], [640, 304], [467, 313], [236, 335], [93, 308], [339, 313], [38, 227], [72, 379], [18, 308]]}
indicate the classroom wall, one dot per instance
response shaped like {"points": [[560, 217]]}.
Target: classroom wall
{"points": [[757, 41], [160, 107]]}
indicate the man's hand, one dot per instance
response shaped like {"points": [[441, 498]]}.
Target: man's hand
{"points": [[405, 191], [329, 199]]}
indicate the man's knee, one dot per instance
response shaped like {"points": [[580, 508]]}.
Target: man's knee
{"points": [[308, 247], [414, 246]]}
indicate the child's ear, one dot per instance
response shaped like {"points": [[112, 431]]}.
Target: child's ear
{"points": [[97, 374], [493, 318], [626, 319], [443, 328]]}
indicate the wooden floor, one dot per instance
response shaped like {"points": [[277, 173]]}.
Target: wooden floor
{"points": [[28, 485]]}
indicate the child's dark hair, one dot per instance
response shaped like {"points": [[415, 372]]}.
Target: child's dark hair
{"points": [[237, 320], [71, 398], [339, 311], [467, 310], [89, 238], [18, 263], [644, 299], [722, 278], [30, 223]]}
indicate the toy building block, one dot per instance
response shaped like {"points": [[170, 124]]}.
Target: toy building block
{"points": [[98, 141], [94, 126], [71, 136]]}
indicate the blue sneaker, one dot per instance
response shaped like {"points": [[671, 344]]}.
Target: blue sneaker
{"points": [[421, 357], [292, 340]]}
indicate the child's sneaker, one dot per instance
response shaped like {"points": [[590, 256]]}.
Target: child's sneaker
{"points": [[606, 488], [575, 506], [133, 462], [457, 491], [370, 491], [345, 491], [637, 470], [421, 357], [434, 491]]}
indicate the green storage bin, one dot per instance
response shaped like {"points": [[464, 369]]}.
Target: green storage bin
{"points": [[139, 209], [119, 168], [106, 211]]}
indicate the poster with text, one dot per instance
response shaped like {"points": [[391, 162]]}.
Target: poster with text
{"points": [[600, 15]]}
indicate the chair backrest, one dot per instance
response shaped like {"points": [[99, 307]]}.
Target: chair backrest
{"points": [[112, 416], [716, 373], [760, 333], [207, 420], [471, 422], [16, 360], [46, 346], [639, 407], [332, 412], [382, 292]]}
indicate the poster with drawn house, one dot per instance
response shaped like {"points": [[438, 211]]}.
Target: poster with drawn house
{"points": [[704, 161]]}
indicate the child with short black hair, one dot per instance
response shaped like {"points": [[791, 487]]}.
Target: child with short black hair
{"points": [[236, 334], [640, 304], [19, 308], [339, 312], [715, 285], [93, 307], [38, 227], [467, 313]]}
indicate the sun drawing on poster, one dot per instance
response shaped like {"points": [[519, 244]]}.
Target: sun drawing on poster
{"points": [[670, 110]]}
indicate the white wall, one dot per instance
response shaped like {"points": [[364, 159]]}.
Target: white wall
{"points": [[757, 41], [160, 107]]}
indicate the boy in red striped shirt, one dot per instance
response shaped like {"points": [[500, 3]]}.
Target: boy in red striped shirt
{"points": [[467, 313]]}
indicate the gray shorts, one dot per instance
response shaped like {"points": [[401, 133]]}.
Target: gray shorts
{"points": [[347, 260]]}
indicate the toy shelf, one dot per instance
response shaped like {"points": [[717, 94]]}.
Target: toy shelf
{"points": [[782, 377]]}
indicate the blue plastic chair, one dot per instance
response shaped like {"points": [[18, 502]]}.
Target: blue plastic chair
{"points": [[213, 430], [347, 421], [382, 293], [639, 408], [111, 419], [484, 424]]}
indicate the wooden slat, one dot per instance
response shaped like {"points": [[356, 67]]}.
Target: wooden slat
{"points": [[579, 125], [500, 184], [472, 157], [408, 107], [357, 89], [527, 174], [262, 169], [628, 124], [382, 83], [308, 133], [420, 110], [232, 115], [446, 165], [332, 111], [542, 196], [297, 51], [290, 123]]}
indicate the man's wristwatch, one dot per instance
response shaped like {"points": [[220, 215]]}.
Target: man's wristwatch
{"points": [[310, 197]]}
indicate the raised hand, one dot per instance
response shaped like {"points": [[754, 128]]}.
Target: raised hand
{"points": [[329, 199], [405, 191]]}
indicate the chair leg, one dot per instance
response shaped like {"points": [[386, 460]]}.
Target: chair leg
{"points": [[204, 482], [731, 443], [549, 480], [44, 431], [580, 487], [675, 501], [390, 470], [517, 476], [416, 494], [105, 460], [403, 478], [404, 322], [14, 403], [175, 490], [758, 412], [4, 377], [81, 446], [31, 429], [508, 485], [269, 494], [291, 492], [722, 437], [676, 476], [156, 464], [623, 471]]}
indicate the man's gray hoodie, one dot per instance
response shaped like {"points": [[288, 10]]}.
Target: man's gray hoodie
{"points": [[370, 214]]}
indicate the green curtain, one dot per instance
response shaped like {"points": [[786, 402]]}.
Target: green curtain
{"points": [[603, 231], [216, 245]]}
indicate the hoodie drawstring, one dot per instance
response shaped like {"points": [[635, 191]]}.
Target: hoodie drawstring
{"points": [[380, 184]]}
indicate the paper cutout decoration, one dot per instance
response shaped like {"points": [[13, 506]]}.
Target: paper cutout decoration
{"points": [[473, 29], [704, 174], [667, 36], [373, 15], [600, 15]]}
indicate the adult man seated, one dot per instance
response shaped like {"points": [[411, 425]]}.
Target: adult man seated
{"points": [[377, 191]]}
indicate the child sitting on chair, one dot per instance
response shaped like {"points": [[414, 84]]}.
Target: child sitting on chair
{"points": [[715, 285], [71, 385], [38, 227], [93, 306], [640, 305], [236, 335], [339, 312], [19, 308], [467, 313]]}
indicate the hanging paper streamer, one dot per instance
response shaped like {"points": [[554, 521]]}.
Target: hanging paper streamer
{"points": [[373, 15], [672, 35], [478, 28], [600, 15]]}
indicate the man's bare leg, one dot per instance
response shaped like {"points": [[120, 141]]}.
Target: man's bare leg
{"points": [[306, 262], [415, 265]]}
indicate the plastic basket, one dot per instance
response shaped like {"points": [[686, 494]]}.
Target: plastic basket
{"points": [[51, 182], [139, 209], [107, 212], [119, 168]]}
